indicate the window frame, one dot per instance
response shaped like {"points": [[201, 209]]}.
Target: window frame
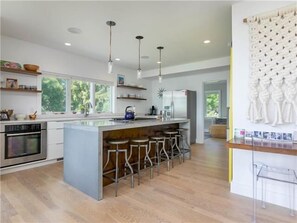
{"points": [[69, 79], [205, 103]]}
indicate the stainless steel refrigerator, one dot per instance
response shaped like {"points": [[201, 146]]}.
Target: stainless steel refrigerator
{"points": [[182, 104]]}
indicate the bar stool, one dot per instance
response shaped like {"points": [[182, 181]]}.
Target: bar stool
{"points": [[173, 147], [116, 179], [183, 142], [141, 143], [160, 154]]}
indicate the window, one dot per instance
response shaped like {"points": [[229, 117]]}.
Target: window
{"points": [[80, 95], [102, 98], [212, 104], [65, 95], [53, 94]]}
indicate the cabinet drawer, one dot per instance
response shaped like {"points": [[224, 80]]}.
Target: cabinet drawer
{"points": [[55, 151], [55, 136], [55, 125]]}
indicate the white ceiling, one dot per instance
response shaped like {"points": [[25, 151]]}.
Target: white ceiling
{"points": [[181, 27]]}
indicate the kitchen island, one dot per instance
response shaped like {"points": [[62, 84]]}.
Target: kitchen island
{"points": [[84, 143]]}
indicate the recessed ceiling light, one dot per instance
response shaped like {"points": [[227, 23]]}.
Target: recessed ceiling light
{"points": [[67, 44], [117, 59], [206, 41], [74, 30], [145, 57]]}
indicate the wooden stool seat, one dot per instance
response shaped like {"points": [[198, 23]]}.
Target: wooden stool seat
{"points": [[139, 140], [118, 141]]}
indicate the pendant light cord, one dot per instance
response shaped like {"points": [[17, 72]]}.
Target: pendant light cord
{"points": [[160, 64], [110, 42], [139, 55]]}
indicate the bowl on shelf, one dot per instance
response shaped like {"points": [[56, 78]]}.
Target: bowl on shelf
{"points": [[31, 67], [20, 117], [33, 116]]}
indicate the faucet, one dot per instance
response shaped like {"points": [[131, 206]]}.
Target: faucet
{"points": [[88, 105]]}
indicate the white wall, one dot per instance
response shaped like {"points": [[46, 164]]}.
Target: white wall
{"points": [[242, 176], [190, 81], [55, 61]]}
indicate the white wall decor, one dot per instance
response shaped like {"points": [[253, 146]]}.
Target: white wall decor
{"points": [[273, 67]]}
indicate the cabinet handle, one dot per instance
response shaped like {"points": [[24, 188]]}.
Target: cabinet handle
{"points": [[59, 143]]}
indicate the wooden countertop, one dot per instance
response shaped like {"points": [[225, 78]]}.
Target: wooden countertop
{"points": [[266, 146]]}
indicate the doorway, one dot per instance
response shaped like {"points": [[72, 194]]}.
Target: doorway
{"points": [[215, 109]]}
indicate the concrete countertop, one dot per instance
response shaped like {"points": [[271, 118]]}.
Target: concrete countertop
{"points": [[105, 125], [71, 118]]}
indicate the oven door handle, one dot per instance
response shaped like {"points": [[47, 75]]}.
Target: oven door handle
{"points": [[22, 134]]}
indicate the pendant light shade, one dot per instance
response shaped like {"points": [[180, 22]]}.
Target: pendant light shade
{"points": [[110, 24], [139, 69], [160, 63]]}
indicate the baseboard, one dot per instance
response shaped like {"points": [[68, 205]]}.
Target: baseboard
{"points": [[12, 169]]}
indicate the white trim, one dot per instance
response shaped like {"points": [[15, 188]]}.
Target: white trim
{"points": [[73, 77]]}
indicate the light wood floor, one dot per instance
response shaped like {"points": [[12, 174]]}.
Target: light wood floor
{"points": [[195, 191]]}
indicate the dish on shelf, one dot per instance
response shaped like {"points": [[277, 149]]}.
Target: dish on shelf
{"points": [[20, 117], [31, 67], [9, 64]]}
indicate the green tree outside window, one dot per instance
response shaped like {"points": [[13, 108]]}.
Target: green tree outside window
{"points": [[212, 105]]}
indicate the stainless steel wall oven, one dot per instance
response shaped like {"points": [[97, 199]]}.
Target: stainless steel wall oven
{"points": [[22, 143]]}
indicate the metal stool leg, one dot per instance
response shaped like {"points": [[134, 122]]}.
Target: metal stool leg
{"points": [[178, 149], [166, 154], [117, 171], [149, 159], [158, 156], [138, 165], [131, 169]]}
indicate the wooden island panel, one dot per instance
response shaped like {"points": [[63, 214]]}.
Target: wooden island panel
{"points": [[129, 134]]}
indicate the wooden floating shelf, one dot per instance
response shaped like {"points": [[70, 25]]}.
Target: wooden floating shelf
{"points": [[20, 71], [132, 87], [131, 98], [20, 90]]}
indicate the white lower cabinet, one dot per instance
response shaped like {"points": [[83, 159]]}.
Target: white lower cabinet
{"points": [[55, 140]]}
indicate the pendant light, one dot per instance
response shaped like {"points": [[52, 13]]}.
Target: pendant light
{"points": [[110, 24], [139, 69], [160, 63]]}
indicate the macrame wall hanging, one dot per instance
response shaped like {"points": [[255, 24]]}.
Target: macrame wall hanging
{"points": [[273, 67]]}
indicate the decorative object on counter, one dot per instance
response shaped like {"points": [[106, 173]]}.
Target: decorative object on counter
{"points": [[20, 117], [239, 133], [31, 67], [9, 64], [160, 92], [139, 69], [121, 79], [160, 62], [110, 24], [273, 66], [33, 116], [295, 137], [4, 115], [11, 83], [130, 113]]}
